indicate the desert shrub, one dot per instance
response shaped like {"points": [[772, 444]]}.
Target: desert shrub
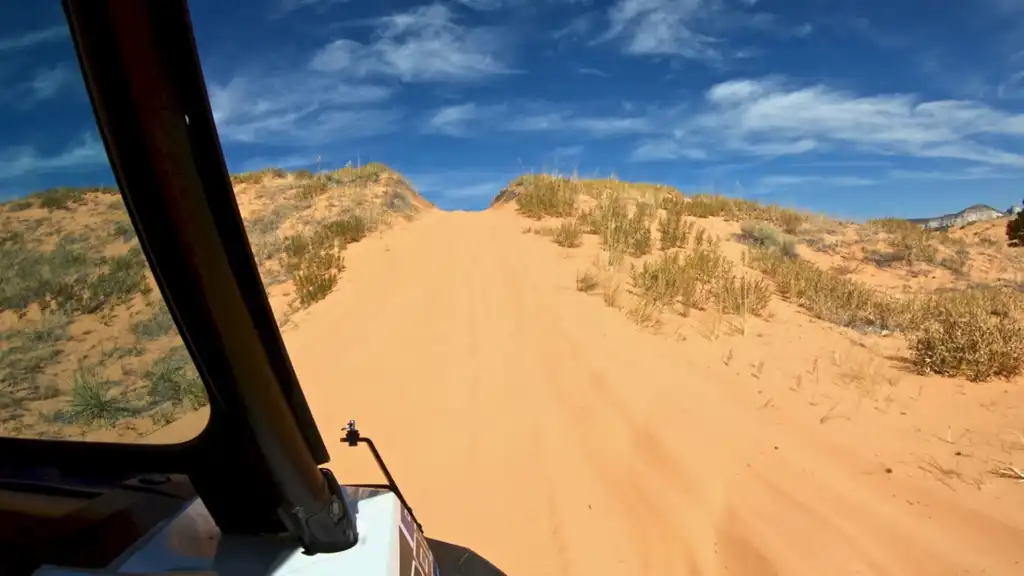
{"points": [[317, 275], [568, 234], [124, 277], [837, 299], [59, 198], [974, 334], [314, 263], [303, 175], [91, 401], [36, 276], [543, 195], [1015, 230], [764, 235], [586, 281], [743, 295], [895, 226], [637, 234], [347, 230], [312, 188], [173, 379], [688, 279], [123, 230], [909, 243], [365, 174], [159, 323], [20, 205], [960, 259]]}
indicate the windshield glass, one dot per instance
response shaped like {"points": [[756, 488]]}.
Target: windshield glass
{"points": [[88, 349], [725, 285]]}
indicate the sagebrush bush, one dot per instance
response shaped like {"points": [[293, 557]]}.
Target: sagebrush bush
{"points": [[973, 334], [764, 235]]}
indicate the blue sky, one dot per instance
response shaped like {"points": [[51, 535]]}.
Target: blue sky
{"points": [[857, 108]]}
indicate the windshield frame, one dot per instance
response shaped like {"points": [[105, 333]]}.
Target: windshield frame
{"points": [[261, 446]]}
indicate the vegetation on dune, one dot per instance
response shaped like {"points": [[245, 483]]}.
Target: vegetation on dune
{"points": [[84, 341], [976, 333]]}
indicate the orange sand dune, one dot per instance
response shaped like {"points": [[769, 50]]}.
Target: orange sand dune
{"points": [[552, 436]]}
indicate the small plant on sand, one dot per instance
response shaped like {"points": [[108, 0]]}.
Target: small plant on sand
{"points": [[159, 323], [314, 264], [568, 234], [743, 295], [90, 400], [586, 281], [173, 379]]}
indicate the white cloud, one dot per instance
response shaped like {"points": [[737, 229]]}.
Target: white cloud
{"points": [[31, 38], [421, 45], [298, 109], [775, 180], [664, 27], [286, 7], [49, 82], [455, 120], [1012, 87], [969, 173], [469, 119], [86, 151], [768, 117], [483, 5], [692, 29]]}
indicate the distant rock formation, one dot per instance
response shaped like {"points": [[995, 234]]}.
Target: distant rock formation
{"points": [[976, 213]]}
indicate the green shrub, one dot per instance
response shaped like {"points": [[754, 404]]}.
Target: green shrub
{"points": [[173, 379]]}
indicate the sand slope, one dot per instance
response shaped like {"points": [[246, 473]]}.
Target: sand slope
{"points": [[551, 435]]}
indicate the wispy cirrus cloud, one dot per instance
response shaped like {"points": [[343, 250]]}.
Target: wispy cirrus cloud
{"points": [[471, 119], [779, 180], [287, 7], [33, 37], [692, 29], [298, 109], [425, 44], [86, 151], [771, 117]]}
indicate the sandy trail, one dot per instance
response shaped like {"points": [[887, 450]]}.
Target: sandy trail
{"points": [[550, 435]]}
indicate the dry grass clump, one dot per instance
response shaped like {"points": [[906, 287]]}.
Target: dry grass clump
{"points": [[910, 244], [568, 234], [543, 195], [977, 334], [697, 278], [673, 230], [737, 209], [764, 235], [314, 260], [837, 299], [620, 229]]}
